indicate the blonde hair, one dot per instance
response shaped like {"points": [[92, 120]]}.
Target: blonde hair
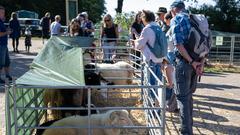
{"points": [[13, 16], [57, 18], [47, 14], [109, 17]]}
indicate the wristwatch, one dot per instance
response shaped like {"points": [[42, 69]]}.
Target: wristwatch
{"points": [[191, 62]]}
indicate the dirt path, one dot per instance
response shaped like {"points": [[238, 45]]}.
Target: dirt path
{"points": [[216, 106], [216, 102]]}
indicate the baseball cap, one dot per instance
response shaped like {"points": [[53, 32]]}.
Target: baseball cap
{"points": [[178, 4]]}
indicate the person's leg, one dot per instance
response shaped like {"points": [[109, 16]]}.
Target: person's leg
{"points": [[112, 50], [105, 51], [17, 43], [13, 44], [184, 73], [2, 61], [7, 65]]}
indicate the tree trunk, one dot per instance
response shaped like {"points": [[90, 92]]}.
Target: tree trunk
{"points": [[119, 6]]}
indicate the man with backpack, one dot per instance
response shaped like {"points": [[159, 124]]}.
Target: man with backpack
{"points": [[190, 55]]}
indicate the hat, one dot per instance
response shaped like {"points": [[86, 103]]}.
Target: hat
{"points": [[178, 4], [84, 13], [161, 10]]}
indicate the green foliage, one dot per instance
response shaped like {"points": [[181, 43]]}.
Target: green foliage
{"points": [[95, 8], [124, 21]]}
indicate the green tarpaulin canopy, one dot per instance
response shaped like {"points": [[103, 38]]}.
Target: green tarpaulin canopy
{"points": [[59, 63]]}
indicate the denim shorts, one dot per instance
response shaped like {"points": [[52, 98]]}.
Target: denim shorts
{"points": [[4, 56]]}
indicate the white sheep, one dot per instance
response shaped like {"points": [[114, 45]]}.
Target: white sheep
{"points": [[110, 118], [119, 70]]}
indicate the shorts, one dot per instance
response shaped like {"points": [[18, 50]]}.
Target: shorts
{"points": [[4, 57]]}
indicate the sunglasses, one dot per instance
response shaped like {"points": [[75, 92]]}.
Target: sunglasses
{"points": [[107, 20]]}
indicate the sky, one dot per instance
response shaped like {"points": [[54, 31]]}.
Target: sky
{"points": [[153, 5]]}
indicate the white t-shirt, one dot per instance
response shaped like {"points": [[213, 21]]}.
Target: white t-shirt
{"points": [[55, 28]]}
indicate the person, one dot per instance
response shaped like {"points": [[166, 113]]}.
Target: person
{"points": [[45, 23], [28, 36], [170, 55], [75, 29], [55, 27], [148, 36], [109, 31], [168, 72], [186, 67], [81, 20], [15, 27], [88, 27], [4, 55], [161, 12], [135, 31]]}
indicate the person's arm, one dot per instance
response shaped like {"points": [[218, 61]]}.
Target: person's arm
{"points": [[5, 33], [116, 30], [169, 71], [178, 42], [186, 56], [143, 39]]}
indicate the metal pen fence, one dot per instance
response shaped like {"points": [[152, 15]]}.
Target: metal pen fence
{"points": [[26, 110], [227, 52]]}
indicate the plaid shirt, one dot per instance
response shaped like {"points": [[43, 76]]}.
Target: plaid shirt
{"points": [[180, 26]]}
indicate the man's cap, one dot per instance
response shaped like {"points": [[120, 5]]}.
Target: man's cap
{"points": [[161, 10], [178, 4]]}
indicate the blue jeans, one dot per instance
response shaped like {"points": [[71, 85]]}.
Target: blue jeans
{"points": [[171, 57], [169, 93], [4, 57], [186, 81], [156, 68], [108, 50]]}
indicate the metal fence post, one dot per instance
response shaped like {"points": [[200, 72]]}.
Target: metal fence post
{"points": [[232, 50], [7, 94]]}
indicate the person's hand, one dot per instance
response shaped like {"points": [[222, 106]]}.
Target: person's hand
{"points": [[195, 64], [200, 69], [132, 42]]}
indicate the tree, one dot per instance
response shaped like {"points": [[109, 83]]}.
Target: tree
{"points": [[95, 8], [119, 6]]}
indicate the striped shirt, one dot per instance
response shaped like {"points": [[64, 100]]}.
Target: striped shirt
{"points": [[180, 26]]}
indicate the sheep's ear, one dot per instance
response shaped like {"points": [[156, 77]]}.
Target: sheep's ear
{"points": [[114, 117]]}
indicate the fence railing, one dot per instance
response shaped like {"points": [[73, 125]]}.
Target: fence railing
{"points": [[228, 52]]}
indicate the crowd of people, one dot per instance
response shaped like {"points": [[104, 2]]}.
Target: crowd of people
{"points": [[177, 67]]}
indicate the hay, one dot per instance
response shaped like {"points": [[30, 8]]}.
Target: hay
{"points": [[123, 98]]}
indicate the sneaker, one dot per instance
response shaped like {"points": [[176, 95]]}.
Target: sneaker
{"points": [[9, 77], [2, 81]]}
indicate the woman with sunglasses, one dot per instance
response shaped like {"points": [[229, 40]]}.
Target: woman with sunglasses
{"points": [[109, 34]]}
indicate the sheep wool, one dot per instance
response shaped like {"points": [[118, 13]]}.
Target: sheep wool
{"points": [[110, 118]]}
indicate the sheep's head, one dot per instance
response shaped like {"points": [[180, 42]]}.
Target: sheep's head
{"points": [[120, 118]]}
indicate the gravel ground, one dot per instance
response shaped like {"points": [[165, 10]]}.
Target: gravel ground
{"points": [[216, 102]]}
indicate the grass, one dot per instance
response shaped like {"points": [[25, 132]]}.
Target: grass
{"points": [[219, 68]]}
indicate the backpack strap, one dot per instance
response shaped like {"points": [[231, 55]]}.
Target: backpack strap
{"points": [[195, 25]]}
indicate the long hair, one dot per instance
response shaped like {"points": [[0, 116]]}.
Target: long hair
{"points": [[109, 17]]}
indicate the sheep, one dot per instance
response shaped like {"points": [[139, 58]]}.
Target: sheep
{"points": [[121, 69], [110, 118], [70, 97]]}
